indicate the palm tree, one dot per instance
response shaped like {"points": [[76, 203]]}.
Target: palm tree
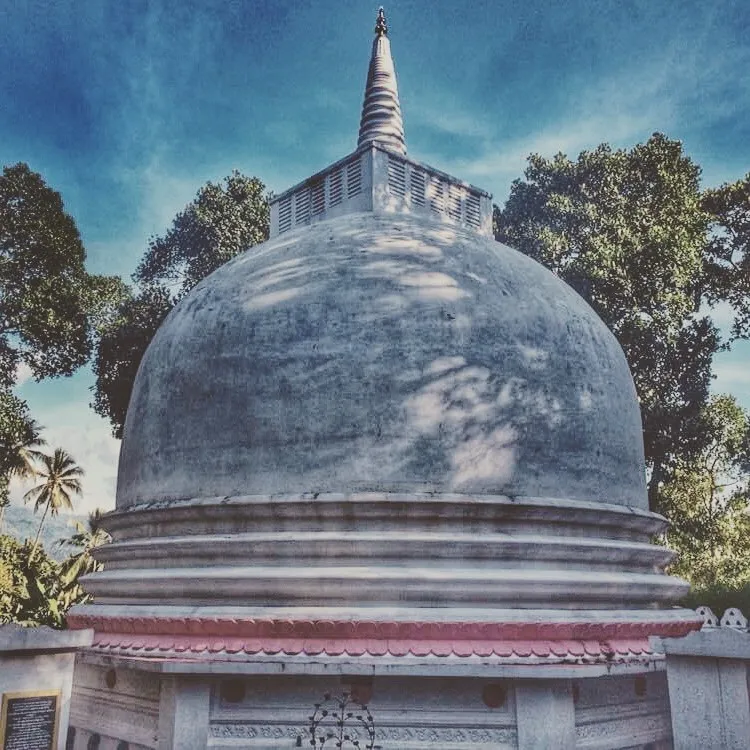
{"points": [[28, 455], [86, 538], [61, 480], [25, 459]]}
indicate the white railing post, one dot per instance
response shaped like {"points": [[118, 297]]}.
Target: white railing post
{"points": [[707, 675]]}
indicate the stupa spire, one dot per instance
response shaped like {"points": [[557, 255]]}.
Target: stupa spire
{"points": [[381, 112]]}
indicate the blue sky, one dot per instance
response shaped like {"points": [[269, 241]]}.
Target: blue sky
{"points": [[128, 108]]}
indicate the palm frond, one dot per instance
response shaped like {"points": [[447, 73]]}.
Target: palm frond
{"points": [[59, 474], [33, 495], [27, 457]]}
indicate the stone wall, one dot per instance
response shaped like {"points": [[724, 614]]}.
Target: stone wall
{"points": [[709, 683], [40, 660], [116, 709]]}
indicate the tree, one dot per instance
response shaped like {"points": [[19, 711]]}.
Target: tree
{"points": [[121, 348], [50, 307], [31, 592], [221, 222], [60, 482], [87, 538], [19, 435], [728, 266], [224, 220], [48, 302], [27, 453], [36, 590], [708, 500], [628, 229]]}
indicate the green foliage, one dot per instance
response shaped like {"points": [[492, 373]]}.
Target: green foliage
{"points": [[708, 501], [31, 590], [221, 222], [60, 477], [18, 434], [48, 301], [629, 231], [37, 590], [626, 228], [121, 348], [87, 538], [719, 597], [104, 297], [728, 266], [224, 220], [50, 307]]}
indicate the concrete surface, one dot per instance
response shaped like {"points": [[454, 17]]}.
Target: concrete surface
{"points": [[384, 353], [41, 659], [708, 675]]}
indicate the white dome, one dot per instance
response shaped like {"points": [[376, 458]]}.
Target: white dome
{"points": [[383, 353]]}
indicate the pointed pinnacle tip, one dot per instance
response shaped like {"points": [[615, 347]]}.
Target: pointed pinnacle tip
{"points": [[381, 25]]}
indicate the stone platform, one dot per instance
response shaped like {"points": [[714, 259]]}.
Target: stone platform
{"points": [[462, 621], [437, 702]]}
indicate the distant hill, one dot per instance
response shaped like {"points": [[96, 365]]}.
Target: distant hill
{"points": [[21, 522]]}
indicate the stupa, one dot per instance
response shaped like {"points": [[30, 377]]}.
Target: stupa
{"points": [[380, 455]]}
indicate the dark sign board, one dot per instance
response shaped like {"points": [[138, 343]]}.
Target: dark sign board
{"points": [[28, 720]]}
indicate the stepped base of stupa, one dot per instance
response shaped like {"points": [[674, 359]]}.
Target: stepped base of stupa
{"points": [[459, 621]]}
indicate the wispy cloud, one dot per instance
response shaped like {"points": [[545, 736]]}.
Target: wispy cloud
{"points": [[736, 373], [732, 371], [620, 107], [722, 315], [23, 374], [611, 112], [448, 113]]}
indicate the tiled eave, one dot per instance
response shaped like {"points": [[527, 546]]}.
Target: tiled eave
{"points": [[242, 638]]}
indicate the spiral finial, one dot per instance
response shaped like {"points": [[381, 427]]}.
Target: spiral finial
{"points": [[381, 25], [381, 112]]}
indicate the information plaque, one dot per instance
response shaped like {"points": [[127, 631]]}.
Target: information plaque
{"points": [[28, 720]]}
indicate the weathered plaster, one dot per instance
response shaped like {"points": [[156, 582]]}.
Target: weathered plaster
{"points": [[386, 353]]}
